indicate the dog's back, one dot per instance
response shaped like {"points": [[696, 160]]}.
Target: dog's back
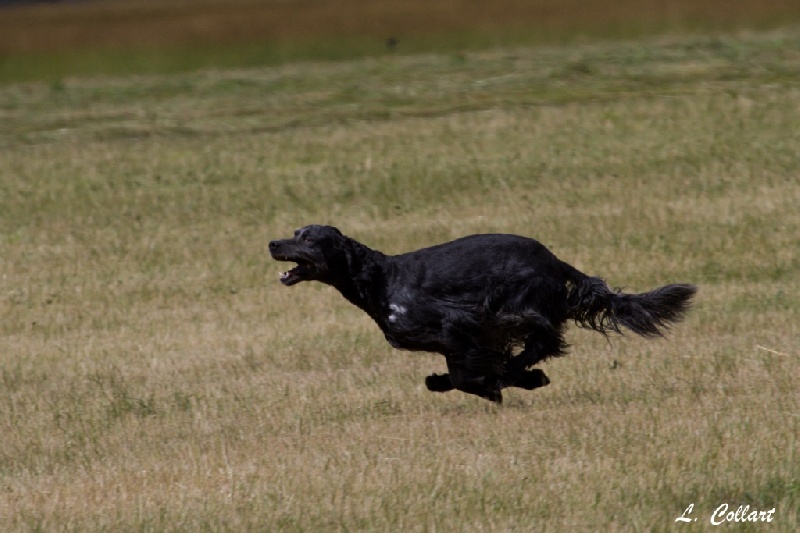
{"points": [[470, 266]]}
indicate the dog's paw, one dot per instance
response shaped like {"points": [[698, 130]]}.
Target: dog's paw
{"points": [[532, 379], [439, 383]]}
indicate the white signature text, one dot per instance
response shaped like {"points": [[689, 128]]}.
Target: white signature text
{"points": [[724, 513]]}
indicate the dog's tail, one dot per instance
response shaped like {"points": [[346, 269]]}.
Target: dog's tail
{"points": [[593, 305]]}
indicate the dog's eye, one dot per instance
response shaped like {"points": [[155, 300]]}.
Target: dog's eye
{"points": [[305, 238]]}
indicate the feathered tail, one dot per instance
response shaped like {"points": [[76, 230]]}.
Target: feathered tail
{"points": [[593, 305]]}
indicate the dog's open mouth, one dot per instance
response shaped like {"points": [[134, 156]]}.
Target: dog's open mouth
{"points": [[301, 272]]}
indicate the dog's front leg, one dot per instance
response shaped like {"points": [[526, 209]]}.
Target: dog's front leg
{"points": [[439, 383]]}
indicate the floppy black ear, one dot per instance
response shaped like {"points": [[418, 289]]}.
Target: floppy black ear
{"points": [[351, 255]]}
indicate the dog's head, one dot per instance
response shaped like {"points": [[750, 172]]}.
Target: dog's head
{"points": [[315, 249]]}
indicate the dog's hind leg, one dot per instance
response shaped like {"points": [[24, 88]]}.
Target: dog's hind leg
{"points": [[541, 344]]}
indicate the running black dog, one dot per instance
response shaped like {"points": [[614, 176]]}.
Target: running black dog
{"points": [[476, 300]]}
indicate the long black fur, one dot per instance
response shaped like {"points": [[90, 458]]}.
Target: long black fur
{"points": [[477, 300]]}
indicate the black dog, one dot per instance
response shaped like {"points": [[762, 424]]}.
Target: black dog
{"points": [[475, 300]]}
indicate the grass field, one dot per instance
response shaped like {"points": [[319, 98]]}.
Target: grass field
{"points": [[155, 375]]}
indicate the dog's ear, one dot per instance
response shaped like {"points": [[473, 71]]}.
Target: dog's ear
{"points": [[366, 270], [351, 255]]}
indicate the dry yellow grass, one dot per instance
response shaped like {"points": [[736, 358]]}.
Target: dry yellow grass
{"points": [[157, 377]]}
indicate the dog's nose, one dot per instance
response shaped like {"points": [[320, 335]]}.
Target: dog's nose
{"points": [[273, 245]]}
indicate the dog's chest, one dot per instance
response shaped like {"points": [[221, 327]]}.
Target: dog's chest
{"points": [[412, 324], [399, 315], [397, 312], [399, 326]]}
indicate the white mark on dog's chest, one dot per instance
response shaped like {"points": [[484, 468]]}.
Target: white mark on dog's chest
{"points": [[397, 311]]}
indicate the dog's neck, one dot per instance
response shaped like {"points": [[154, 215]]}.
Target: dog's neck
{"points": [[365, 283]]}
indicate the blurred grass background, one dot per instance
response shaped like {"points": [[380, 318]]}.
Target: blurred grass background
{"points": [[50, 41]]}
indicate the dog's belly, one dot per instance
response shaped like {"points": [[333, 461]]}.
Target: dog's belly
{"points": [[415, 341], [419, 325]]}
